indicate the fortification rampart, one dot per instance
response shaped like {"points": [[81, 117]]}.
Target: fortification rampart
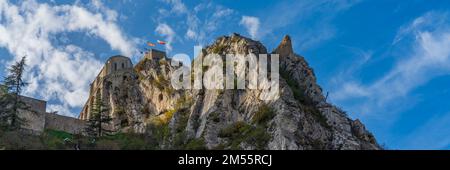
{"points": [[37, 120]]}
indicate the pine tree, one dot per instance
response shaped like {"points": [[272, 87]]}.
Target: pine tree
{"points": [[98, 119], [10, 101]]}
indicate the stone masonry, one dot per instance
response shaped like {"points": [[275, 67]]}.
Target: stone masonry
{"points": [[38, 120]]}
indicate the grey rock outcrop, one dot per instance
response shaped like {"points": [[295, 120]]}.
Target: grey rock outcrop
{"points": [[237, 119]]}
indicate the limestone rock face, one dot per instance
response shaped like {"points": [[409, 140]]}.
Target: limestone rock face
{"points": [[237, 119], [124, 98]]}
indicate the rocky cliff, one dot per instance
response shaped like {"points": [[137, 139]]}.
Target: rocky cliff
{"points": [[301, 118]]}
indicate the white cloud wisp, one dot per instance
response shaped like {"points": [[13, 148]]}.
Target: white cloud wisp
{"points": [[251, 24], [58, 73]]}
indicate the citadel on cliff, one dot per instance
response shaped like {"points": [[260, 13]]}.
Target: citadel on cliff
{"points": [[139, 98], [116, 68]]}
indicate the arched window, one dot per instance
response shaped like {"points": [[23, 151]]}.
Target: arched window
{"points": [[115, 66], [123, 65]]}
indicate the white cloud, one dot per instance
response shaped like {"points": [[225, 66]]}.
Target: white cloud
{"points": [[79, 18], [312, 33], [220, 14], [60, 73], [351, 89], [191, 34], [177, 6], [98, 6], [199, 30], [251, 24], [59, 109], [165, 30], [429, 57]]}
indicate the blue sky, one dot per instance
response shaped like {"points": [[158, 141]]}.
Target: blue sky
{"points": [[385, 62]]}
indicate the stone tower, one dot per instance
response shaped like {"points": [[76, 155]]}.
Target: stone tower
{"points": [[116, 65], [155, 54], [118, 85]]}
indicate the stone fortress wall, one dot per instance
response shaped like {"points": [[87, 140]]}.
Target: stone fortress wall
{"points": [[37, 120], [64, 123]]}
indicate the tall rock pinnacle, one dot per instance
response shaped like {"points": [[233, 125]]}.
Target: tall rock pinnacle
{"points": [[285, 47]]}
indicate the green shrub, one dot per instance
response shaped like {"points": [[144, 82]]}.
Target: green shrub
{"points": [[196, 121], [140, 66], [218, 49], [196, 144], [178, 141], [163, 62], [18, 140], [214, 116], [263, 115], [297, 90], [317, 144], [167, 116], [205, 69], [131, 142], [119, 111], [54, 139], [146, 110], [159, 132], [319, 117], [240, 132], [162, 83], [258, 137], [183, 102], [233, 129], [58, 134], [183, 118], [306, 102]]}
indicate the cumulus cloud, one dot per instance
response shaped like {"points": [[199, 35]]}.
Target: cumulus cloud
{"points": [[251, 24], [59, 109], [60, 73]]}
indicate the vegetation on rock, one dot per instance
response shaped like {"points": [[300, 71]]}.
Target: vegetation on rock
{"points": [[306, 102], [10, 100], [243, 133], [99, 120]]}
